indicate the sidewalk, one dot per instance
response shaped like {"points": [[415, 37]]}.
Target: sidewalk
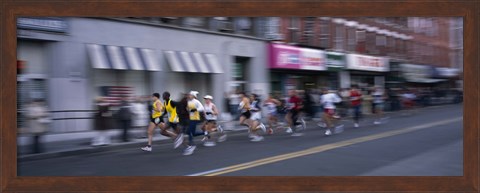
{"points": [[67, 144]]}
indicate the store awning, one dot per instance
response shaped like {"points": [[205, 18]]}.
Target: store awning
{"points": [[122, 58], [424, 80], [193, 62]]}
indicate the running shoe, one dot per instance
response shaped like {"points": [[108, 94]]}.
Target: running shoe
{"points": [[189, 150], [257, 138], [322, 125], [222, 138], [262, 126], [339, 129], [304, 124], [270, 131], [297, 134], [251, 135], [289, 130], [209, 144], [220, 128], [328, 132], [147, 148], [178, 141]]}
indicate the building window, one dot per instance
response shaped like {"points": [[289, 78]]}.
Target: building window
{"points": [[352, 40], [339, 37], [380, 40], [325, 33], [169, 20], [194, 22], [223, 24], [370, 41], [390, 46], [243, 25], [272, 28], [293, 29], [308, 31]]}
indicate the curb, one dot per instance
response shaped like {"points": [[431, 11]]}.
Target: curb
{"points": [[99, 149]]}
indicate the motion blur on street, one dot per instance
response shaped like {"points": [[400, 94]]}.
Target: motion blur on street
{"points": [[322, 96]]}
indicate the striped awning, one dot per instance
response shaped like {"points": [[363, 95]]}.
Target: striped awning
{"points": [[122, 58], [193, 62]]}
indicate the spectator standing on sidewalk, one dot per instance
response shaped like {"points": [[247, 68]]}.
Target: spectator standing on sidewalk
{"points": [[140, 115], [38, 120], [103, 118], [234, 101], [125, 118]]}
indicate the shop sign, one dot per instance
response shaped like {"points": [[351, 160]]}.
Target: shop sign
{"points": [[335, 60], [367, 63], [43, 23], [289, 57]]}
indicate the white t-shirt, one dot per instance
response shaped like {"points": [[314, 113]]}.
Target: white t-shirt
{"points": [[377, 97], [329, 100], [209, 109], [271, 107]]}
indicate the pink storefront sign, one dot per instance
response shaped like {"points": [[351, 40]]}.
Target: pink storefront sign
{"points": [[290, 57]]}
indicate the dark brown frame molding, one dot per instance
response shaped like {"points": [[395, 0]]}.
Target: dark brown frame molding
{"points": [[10, 9]]}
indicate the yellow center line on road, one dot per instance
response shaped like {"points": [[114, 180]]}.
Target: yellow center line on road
{"points": [[322, 148]]}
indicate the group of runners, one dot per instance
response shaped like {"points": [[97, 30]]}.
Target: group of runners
{"points": [[185, 115]]}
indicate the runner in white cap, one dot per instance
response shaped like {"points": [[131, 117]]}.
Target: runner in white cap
{"points": [[196, 110], [211, 113]]}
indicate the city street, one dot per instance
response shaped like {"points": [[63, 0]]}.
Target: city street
{"points": [[427, 143]]}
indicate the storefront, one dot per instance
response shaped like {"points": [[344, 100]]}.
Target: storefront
{"points": [[419, 75], [367, 71], [336, 64], [451, 76], [137, 59], [297, 68], [36, 39]]}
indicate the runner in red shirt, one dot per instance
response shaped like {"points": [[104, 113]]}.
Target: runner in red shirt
{"points": [[356, 102], [294, 106]]}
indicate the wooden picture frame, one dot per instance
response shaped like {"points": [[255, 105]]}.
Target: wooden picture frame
{"points": [[10, 10]]}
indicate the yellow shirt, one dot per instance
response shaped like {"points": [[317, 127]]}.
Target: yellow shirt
{"points": [[171, 111], [155, 112], [194, 104]]}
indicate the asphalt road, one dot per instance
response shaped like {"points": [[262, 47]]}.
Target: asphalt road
{"points": [[427, 143]]}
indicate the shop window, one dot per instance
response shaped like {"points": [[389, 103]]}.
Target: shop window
{"points": [[240, 69]]}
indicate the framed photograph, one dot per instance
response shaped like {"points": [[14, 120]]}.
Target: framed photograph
{"points": [[234, 96]]}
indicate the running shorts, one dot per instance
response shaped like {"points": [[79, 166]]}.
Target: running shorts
{"points": [[157, 120], [256, 116], [330, 112], [246, 114]]}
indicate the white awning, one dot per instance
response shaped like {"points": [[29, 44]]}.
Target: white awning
{"points": [[122, 58], [180, 61]]}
